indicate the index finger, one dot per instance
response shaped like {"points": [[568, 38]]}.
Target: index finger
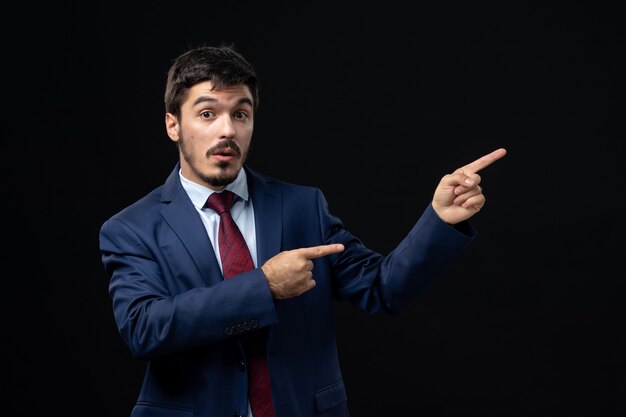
{"points": [[313, 252], [483, 161]]}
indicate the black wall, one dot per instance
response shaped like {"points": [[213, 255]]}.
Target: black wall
{"points": [[356, 99]]}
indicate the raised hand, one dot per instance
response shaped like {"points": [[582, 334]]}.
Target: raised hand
{"points": [[459, 195], [290, 273]]}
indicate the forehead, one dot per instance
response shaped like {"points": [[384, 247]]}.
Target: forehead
{"points": [[206, 91]]}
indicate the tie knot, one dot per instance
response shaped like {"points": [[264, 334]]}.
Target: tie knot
{"points": [[220, 202]]}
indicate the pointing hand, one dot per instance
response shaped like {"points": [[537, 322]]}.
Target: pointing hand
{"points": [[290, 273], [459, 195]]}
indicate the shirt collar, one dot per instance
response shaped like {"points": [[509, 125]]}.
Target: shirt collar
{"points": [[199, 193]]}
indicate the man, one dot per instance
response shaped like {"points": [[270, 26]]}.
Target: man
{"points": [[212, 317]]}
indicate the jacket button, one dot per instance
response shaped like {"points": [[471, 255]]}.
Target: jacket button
{"points": [[228, 331], [238, 415], [242, 365], [254, 324], [246, 325]]}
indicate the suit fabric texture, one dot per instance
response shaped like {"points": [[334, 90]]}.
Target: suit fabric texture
{"points": [[174, 309]]}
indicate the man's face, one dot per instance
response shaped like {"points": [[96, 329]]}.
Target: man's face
{"points": [[213, 133]]}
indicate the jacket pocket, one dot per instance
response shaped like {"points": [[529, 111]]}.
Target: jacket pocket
{"points": [[330, 396], [144, 409]]}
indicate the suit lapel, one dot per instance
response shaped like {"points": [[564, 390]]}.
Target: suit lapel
{"points": [[182, 217], [268, 218], [267, 202]]}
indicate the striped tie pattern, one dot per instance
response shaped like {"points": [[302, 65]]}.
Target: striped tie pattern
{"points": [[236, 259]]}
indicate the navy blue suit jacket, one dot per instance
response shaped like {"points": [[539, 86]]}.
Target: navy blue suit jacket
{"points": [[174, 309]]}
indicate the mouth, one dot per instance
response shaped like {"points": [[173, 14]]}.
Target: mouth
{"points": [[225, 154]]}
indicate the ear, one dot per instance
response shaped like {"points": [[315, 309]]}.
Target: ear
{"points": [[172, 126]]}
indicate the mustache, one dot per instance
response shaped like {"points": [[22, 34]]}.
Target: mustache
{"points": [[225, 144]]}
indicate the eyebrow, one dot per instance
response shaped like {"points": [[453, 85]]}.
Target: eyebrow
{"points": [[201, 99]]}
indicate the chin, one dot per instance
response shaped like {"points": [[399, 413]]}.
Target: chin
{"points": [[222, 177]]}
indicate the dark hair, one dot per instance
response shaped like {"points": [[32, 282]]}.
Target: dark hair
{"points": [[221, 65]]}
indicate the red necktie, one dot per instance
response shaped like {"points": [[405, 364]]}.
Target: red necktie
{"points": [[236, 259]]}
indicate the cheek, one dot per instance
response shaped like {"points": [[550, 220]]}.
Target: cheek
{"points": [[245, 146], [191, 143], [245, 139], [197, 138], [245, 143]]}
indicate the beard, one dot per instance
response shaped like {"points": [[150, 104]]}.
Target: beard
{"points": [[222, 179], [224, 176]]}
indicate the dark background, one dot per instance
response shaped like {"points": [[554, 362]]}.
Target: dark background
{"points": [[355, 99]]}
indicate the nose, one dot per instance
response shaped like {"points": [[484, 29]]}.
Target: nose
{"points": [[227, 127]]}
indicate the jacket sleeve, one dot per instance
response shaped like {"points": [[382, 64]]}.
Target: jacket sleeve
{"points": [[376, 283], [157, 315]]}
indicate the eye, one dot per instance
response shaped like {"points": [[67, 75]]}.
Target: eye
{"points": [[241, 115], [207, 114]]}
